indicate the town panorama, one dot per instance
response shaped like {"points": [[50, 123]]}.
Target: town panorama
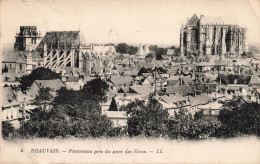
{"points": [[59, 85]]}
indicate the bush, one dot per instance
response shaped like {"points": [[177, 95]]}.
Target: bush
{"points": [[7, 128]]}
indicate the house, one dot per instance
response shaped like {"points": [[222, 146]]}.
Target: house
{"points": [[160, 81], [54, 85], [120, 81], [142, 90], [14, 62], [132, 73], [173, 102], [183, 90], [11, 79], [104, 50], [211, 109], [74, 83], [173, 80], [170, 54], [13, 109], [197, 101], [255, 81], [118, 118]]}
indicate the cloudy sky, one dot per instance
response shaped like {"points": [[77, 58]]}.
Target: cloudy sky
{"points": [[136, 21]]}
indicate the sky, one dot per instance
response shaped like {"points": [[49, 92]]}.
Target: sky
{"points": [[136, 21]]}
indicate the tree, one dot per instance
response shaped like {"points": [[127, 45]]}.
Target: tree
{"points": [[7, 128], [40, 73], [121, 48], [69, 97], [97, 88], [239, 118], [132, 50], [44, 98], [148, 120], [79, 120], [150, 55], [144, 70], [159, 52], [113, 106], [183, 126], [45, 124]]}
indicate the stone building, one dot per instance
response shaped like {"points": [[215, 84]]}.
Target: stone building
{"points": [[206, 36], [27, 38], [68, 52]]}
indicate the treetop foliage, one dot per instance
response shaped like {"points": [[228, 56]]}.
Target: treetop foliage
{"points": [[40, 73]]}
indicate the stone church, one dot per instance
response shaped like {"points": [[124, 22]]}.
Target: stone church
{"points": [[63, 51], [205, 36]]}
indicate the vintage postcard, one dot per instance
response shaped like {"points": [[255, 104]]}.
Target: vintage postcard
{"points": [[120, 81]]}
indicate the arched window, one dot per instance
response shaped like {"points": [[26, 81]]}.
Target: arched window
{"points": [[76, 59]]}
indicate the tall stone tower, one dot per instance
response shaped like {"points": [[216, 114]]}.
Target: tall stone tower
{"points": [[27, 38], [204, 37]]}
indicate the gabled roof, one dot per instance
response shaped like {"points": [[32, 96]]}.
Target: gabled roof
{"points": [[54, 84], [238, 79], [14, 57], [181, 89], [121, 80], [176, 97], [73, 79], [55, 38], [200, 99], [141, 89], [255, 80], [131, 72], [7, 95], [187, 80], [123, 89]]}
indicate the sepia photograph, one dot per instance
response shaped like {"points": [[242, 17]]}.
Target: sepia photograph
{"points": [[120, 81]]}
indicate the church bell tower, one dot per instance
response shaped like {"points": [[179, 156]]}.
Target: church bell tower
{"points": [[27, 38]]}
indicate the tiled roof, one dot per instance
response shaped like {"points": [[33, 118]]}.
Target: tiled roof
{"points": [[70, 38], [255, 80], [200, 99], [121, 80], [181, 89], [142, 89], [14, 57], [211, 20], [230, 79], [55, 84], [176, 97], [73, 79], [124, 89], [7, 95], [131, 73]]}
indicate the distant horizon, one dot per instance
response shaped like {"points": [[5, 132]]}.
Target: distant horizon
{"points": [[118, 21]]}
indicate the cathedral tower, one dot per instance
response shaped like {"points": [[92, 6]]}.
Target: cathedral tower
{"points": [[27, 38]]}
